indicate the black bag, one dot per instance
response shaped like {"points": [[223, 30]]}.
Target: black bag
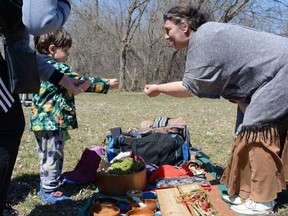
{"points": [[156, 148], [10, 15], [22, 70]]}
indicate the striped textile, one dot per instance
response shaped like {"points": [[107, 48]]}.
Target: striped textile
{"points": [[160, 122], [6, 99]]}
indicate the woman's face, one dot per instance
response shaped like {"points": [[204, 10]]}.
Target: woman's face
{"points": [[177, 34]]}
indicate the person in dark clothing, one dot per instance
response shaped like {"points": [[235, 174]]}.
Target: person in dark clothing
{"points": [[38, 17]]}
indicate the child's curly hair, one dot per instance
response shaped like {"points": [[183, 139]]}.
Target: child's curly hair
{"points": [[60, 38]]}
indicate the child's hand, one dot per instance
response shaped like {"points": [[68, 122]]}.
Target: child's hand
{"points": [[113, 83]]}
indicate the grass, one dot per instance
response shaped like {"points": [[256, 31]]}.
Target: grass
{"points": [[211, 125]]}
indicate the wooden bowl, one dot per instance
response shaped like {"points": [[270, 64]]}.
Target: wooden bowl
{"points": [[105, 201], [120, 184], [149, 203], [104, 210], [140, 212]]}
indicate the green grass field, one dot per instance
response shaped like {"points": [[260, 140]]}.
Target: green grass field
{"points": [[210, 122]]}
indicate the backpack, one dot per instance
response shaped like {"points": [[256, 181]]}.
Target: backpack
{"points": [[159, 145]]}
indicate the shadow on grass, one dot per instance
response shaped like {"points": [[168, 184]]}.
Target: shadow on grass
{"points": [[21, 187], [73, 208], [70, 208], [26, 187]]}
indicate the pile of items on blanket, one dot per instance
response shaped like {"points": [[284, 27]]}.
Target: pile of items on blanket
{"points": [[158, 156]]}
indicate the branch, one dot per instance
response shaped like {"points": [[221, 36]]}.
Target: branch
{"points": [[233, 11], [286, 5]]}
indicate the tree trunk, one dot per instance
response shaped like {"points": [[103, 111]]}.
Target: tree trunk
{"points": [[122, 69]]}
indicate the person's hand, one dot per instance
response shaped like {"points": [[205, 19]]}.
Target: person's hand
{"points": [[151, 90], [113, 83], [74, 86]]}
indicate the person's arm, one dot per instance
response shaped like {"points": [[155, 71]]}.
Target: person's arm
{"points": [[43, 16], [174, 89], [97, 84], [101, 85]]}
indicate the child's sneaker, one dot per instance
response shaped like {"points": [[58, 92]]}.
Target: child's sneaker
{"points": [[54, 197]]}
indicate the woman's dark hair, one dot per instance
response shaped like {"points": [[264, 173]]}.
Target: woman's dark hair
{"points": [[179, 13], [60, 38]]}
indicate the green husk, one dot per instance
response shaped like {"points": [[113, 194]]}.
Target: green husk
{"points": [[126, 166]]}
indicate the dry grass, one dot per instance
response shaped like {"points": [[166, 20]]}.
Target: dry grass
{"points": [[211, 124]]}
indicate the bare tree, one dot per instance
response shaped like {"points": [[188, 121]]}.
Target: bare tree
{"points": [[132, 21], [124, 38]]}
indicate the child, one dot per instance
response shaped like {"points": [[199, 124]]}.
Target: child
{"points": [[54, 113]]}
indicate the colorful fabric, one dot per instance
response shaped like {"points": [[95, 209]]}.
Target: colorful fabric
{"points": [[53, 108]]}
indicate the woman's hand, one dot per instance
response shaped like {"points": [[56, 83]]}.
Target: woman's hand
{"points": [[174, 89], [151, 90]]}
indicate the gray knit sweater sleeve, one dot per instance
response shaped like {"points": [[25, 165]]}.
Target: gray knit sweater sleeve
{"points": [[42, 16]]}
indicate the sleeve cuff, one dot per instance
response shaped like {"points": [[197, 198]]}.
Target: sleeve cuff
{"points": [[56, 77]]}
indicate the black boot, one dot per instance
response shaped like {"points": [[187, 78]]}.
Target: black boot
{"points": [[9, 211]]}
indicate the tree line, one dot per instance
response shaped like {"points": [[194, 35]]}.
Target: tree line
{"points": [[125, 38]]}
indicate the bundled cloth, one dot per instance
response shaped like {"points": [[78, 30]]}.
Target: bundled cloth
{"points": [[85, 170]]}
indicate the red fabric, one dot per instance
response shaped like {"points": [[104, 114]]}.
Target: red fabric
{"points": [[166, 171]]}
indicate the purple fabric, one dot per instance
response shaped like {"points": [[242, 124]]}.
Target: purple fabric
{"points": [[150, 169], [86, 169]]}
